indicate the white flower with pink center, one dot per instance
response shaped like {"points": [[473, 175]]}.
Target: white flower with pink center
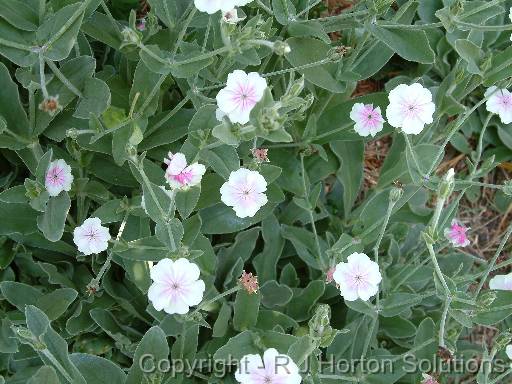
{"points": [[501, 282], [212, 6], [245, 192], [368, 120], [91, 237], [238, 98], [410, 108], [456, 234], [358, 278], [275, 368], [176, 286], [58, 177], [179, 175], [500, 102]]}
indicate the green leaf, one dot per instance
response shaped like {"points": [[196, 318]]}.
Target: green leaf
{"points": [[471, 54], [308, 50], [45, 375], [284, 11], [187, 200], [396, 303], [95, 100], [237, 347], [223, 159], [154, 343], [247, 306], [204, 118], [56, 347], [67, 20], [52, 222], [19, 14], [98, 370], [275, 294], [350, 173], [11, 109], [411, 44]]}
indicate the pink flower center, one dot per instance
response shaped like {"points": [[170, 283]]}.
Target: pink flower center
{"points": [[244, 96], [183, 178], [458, 233], [55, 176], [506, 100], [370, 117]]}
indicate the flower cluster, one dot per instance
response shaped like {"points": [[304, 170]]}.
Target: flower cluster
{"points": [[410, 109]]}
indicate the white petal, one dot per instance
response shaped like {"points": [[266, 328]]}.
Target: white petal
{"points": [[501, 282], [158, 296], [162, 271], [508, 351], [195, 292], [186, 271], [248, 366], [177, 164], [177, 306]]}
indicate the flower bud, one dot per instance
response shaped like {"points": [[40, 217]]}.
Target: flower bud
{"points": [[281, 48], [507, 187], [131, 36], [72, 133], [395, 194], [296, 88], [270, 120], [249, 282], [502, 340], [447, 184]]}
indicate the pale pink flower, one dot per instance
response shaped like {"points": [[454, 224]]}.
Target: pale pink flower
{"points": [[368, 120], [501, 282], [179, 175], [176, 286], [410, 108], [58, 177], [275, 368], [245, 192], [500, 102], [212, 6], [456, 233], [358, 278], [240, 95], [91, 237]]}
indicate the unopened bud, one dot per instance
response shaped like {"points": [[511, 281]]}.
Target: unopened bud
{"points": [[503, 339], [507, 188], [447, 184], [72, 133], [395, 194], [297, 87], [130, 36], [281, 48]]}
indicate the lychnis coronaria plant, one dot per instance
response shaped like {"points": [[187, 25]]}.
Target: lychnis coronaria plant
{"points": [[255, 191]]}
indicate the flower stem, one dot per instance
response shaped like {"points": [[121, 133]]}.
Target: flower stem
{"points": [[413, 155], [63, 78], [95, 283], [310, 213], [391, 204], [183, 30], [42, 76], [213, 300]]}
